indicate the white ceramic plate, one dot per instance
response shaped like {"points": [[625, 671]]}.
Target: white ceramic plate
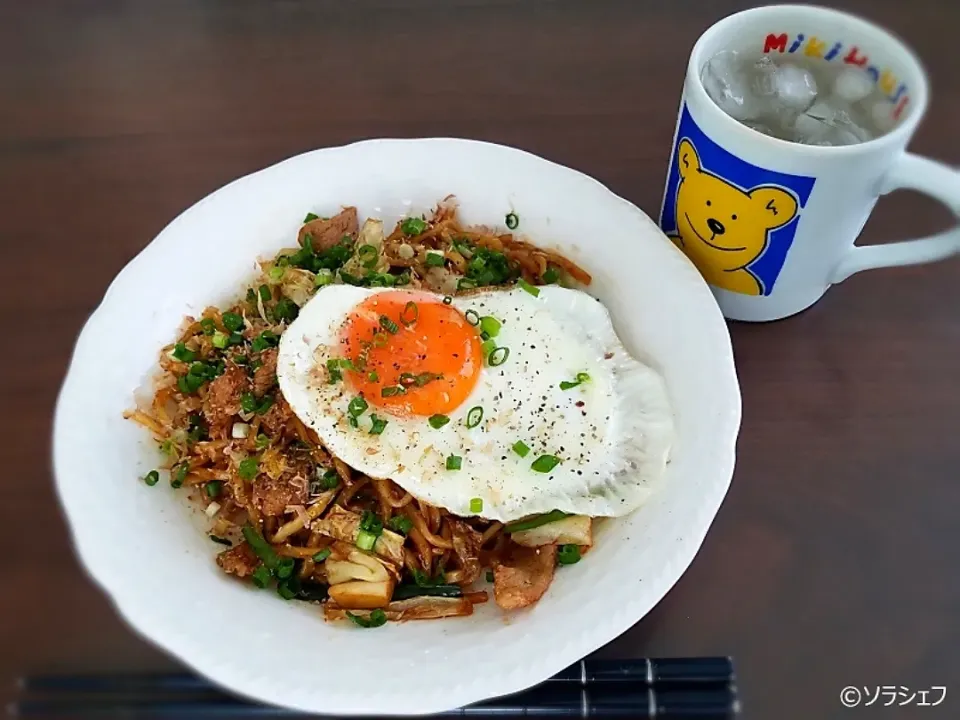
{"points": [[149, 552]]}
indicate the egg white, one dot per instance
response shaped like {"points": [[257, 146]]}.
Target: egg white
{"points": [[612, 433]]}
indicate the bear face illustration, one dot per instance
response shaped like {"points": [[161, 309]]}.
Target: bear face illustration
{"points": [[723, 228]]}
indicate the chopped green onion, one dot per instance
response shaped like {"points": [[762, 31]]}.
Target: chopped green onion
{"points": [[454, 462], [264, 340], [324, 277], [521, 448], [235, 339], [498, 356], [447, 300], [532, 289], [219, 340], [426, 377], [151, 478], [490, 325], [512, 220], [284, 568], [248, 402], [412, 590], [366, 540], [310, 216], [354, 423], [474, 416], [181, 353], [377, 425], [371, 522], [551, 275], [462, 246], [473, 317], [409, 314], [333, 369], [487, 347], [379, 339], [375, 619], [251, 296], [350, 279], [261, 577], [265, 404], [389, 325], [261, 548], [545, 463], [568, 554], [285, 591], [466, 284], [330, 480], [489, 575], [214, 488], [219, 540], [276, 273], [357, 406], [177, 478], [535, 521], [282, 260], [372, 376], [392, 390], [265, 293], [581, 378], [413, 226], [262, 441], [208, 326], [322, 555], [368, 255], [434, 258], [438, 421], [476, 505], [401, 524], [286, 309], [248, 468]]}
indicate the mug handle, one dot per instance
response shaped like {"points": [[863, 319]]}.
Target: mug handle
{"points": [[923, 175]]}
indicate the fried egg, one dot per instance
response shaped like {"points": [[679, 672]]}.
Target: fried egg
{"points": [[502, 403]]}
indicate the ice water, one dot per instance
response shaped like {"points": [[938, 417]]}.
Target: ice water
{"points": [[801, 100]]}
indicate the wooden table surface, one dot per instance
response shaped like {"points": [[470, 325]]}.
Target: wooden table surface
{"points": [[834, 560]]}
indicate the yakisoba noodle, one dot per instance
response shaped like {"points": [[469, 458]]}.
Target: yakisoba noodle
{"points": [[289, 515]]}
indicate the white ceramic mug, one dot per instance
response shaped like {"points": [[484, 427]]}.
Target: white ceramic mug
{"points": [[788, 214]]}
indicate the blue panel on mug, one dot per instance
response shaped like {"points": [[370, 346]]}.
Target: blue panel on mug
{"points": [[734, 220]]}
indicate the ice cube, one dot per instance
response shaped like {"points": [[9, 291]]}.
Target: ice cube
{"points": [[795, 88], [814, 123], [852, 85], [727, 84], [762, 77], [826, 124], [881, 113]]}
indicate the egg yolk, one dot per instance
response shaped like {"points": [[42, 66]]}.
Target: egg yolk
{"points": [[411, 353]]}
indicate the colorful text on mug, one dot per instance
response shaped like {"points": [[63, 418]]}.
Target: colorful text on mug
{"points": [[840, 52]]}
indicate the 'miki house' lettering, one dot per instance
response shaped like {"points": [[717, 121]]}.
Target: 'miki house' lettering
{"points": [[892, 88]]}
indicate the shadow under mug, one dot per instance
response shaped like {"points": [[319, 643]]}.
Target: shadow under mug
{"points": [[771, 224]]}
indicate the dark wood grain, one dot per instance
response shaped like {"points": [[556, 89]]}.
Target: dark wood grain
{"points": [[834, 560]]}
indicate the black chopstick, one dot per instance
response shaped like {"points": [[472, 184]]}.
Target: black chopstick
{"points": [[704, 704], [644, 671], [668, 689]]}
